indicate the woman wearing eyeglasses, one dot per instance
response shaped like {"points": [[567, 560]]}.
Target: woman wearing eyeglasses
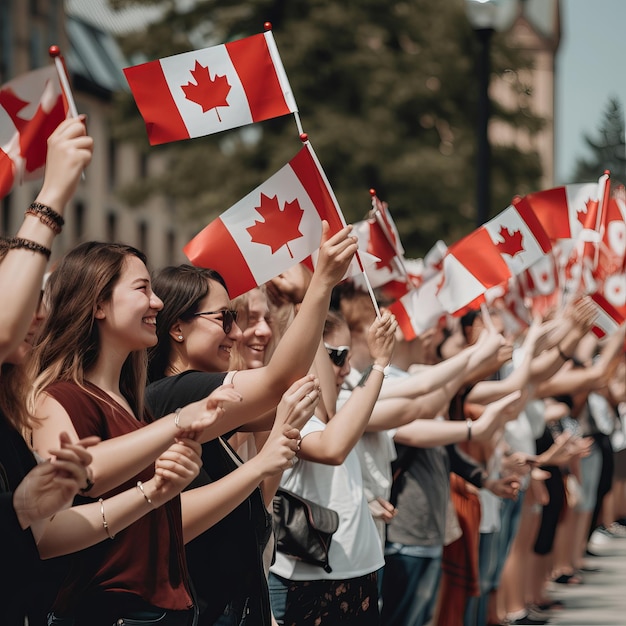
{"points": [[197, 331], [329, 473]]}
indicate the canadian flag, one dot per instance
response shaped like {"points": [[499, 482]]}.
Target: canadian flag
{"points": [[373, 241], [564, 211], [31, 107], [471, 266], [608, 318], [418, 310], [541, 278], [271, 229], [210, 90], [518, 236]]}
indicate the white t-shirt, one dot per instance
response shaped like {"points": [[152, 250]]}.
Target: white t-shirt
{"points": [[355, 549]]}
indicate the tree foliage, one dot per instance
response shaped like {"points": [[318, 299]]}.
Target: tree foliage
{"points": [[386, 92], [608, 149]]}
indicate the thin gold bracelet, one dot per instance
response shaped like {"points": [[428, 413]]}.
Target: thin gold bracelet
{"points": [[177, 417], [143, 493], [104, 520]]}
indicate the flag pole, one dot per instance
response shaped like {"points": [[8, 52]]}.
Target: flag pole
{"points": [[55, 53], [59, 63], [305, 139]]}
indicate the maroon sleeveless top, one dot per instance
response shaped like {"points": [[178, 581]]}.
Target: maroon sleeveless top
{"points": [[145, 563]]}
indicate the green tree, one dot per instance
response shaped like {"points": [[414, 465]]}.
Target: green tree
{"points": [[386, 92], [608, 149]]}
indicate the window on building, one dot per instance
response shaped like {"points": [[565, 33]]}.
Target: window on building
{"points": [[111, 226], [143, 237], [6, 43], [112, 163], [170, 247], [79, 220]]}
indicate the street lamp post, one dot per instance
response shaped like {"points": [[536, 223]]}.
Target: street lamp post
{"points": [[486, 16]]}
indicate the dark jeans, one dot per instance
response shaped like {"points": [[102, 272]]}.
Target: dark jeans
{"points": [[409, 589]]}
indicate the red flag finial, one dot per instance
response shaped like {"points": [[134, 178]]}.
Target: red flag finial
{"points": [[304, 137], [607, 172], [267, 26], [54, 51], [372, 192]]}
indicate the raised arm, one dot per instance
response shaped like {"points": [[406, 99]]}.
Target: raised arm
{"points": [[332, 445], [22, 269], [120, 458], [431, 433], [262, 388], [83, 526]]}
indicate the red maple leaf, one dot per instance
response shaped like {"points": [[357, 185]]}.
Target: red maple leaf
{"points": [[511, 242], [278, 227], [208, 92], [588, 218], [35, 131]]}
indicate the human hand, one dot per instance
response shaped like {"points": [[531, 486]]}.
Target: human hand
{"points": [[335, 254], [497, 413], [381, 338], [51, 486], [174, 470], [299, 401], [382, 509], [505, 487], [69, 152], [278, 452], [197, 416], [290, 285]]}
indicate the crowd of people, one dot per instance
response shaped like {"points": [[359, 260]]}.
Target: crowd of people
{"points": [[148, 422]]}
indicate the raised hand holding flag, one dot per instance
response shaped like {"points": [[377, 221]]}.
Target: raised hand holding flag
{"points": [[31, 107], [271, 229]]}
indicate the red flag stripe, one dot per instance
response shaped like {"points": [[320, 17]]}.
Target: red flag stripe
{"points": [[253, 62], [535, 226], [225, 257], [305, 168], [550, 207], [154, 101], [403, 319]]}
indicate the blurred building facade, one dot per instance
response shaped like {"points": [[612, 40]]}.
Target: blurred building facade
{"points": [[85, 30], [95, 62]]}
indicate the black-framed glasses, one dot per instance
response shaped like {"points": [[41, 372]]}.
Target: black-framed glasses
{"points": [[229, 317], [337, 355]]}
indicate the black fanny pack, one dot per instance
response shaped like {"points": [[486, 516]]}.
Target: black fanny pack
{"points": [[304, 529]]}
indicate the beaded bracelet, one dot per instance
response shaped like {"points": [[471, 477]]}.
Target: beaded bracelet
{"points": [[47, 216], [105, 525], [27, 244]]}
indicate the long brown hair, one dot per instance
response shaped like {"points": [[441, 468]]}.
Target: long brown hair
{"points": [[69, 342], [14, 384]]}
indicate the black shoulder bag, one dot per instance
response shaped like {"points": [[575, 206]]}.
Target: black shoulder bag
{"points": [[303, 528]]}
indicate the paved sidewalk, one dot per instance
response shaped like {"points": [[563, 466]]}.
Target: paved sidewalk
{"points": [[601, 599]]}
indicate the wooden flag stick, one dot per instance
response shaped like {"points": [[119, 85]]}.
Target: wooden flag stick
{"points": [[304, 138]]}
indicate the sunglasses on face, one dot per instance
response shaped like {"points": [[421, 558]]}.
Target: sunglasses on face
{"points": [[229, 317], [337, 355]]}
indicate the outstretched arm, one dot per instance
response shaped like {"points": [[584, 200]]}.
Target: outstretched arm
{"points": [[21, 271], [332, 445]]}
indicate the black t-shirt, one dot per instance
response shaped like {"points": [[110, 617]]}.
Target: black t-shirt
{"points": [[225, 562], [19, 552]]}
